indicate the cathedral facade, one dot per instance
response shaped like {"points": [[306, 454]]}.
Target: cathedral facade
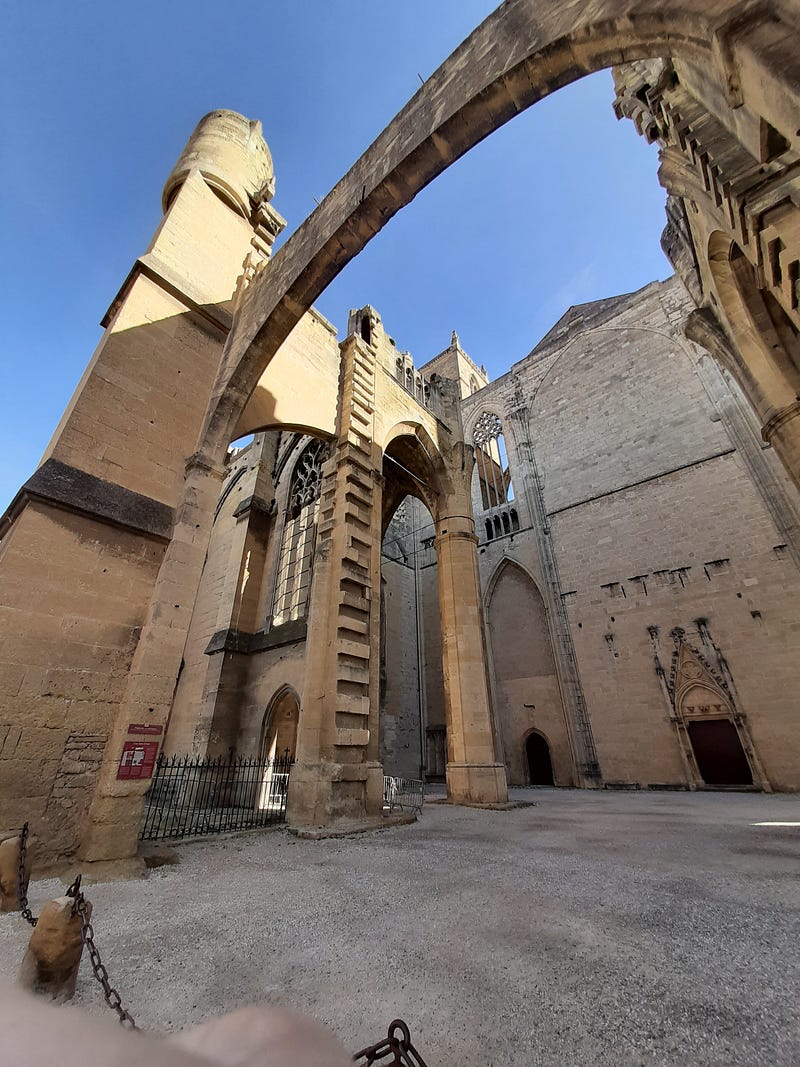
{"points": [[584, 572], [638, 561]]}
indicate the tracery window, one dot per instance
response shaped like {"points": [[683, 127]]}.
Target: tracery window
{"points": [[296, 558], [492, 462]]}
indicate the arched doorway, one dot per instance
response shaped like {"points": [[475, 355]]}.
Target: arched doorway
{"points": [[719, 753], [279, 729], [714, 736], [537, 754], [525, 685], [277, 750]]}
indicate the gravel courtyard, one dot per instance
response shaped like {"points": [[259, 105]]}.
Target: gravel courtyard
{"points": [[602, 928]]}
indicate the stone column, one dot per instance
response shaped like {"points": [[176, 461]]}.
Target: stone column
{"points": [[474, 773], [116, 812], [337, 774]]}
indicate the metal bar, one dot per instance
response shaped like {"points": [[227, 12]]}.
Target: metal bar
{"points": [[191, 796]]}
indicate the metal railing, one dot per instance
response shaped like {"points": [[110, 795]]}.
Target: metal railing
{"points": [[403, 794], [193, 795]]}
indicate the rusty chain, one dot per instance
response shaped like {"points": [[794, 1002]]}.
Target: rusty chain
{"points": [[27, 914], [396, 1044], [400, 1048], [112, 997]]}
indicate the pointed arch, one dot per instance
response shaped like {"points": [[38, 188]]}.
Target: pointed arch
{"points": [[538, 758], [519, 54], [413, 466], [494, 577], [279, 724], [298, 536], [769, 367], [523, 672], [716, 744]]}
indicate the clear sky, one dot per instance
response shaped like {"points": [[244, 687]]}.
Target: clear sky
{"points": [[560, 206]]}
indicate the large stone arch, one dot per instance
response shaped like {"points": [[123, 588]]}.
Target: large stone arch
{"points": [[415, 468], [519, 54], [765, 358], [525, 681]]}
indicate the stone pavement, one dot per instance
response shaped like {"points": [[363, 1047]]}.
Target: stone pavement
{"points": [[604, 928]]}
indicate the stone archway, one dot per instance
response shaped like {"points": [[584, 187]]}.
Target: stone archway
{"points": [[537, 755], [520, 53], [715, 742], [411, 692], [279, 726], [766, 355], [525, 683]]}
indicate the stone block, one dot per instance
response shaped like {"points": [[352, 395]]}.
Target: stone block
{"points": [[50, 964], [9, 872]]}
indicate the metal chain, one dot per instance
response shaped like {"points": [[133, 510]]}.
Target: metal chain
{"points": [[23, 889], [112, 997]]}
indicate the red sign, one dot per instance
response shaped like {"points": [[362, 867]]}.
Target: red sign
{"points": [[138, 759], [145, 728]]}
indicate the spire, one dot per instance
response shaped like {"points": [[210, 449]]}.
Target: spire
{"points": [[454, 341]]}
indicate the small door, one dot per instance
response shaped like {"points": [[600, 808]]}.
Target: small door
{"points": [[719, 753], [540, 766]]}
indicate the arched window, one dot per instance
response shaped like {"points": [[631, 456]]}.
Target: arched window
{"points": [[296, 558], [492, 462]]}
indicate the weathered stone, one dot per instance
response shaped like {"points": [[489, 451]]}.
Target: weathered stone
{"points": [[9, 872], [139, 579], [50, 964]]}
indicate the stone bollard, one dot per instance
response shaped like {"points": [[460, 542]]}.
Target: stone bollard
{"points": [[9, 873], [51, 960]]}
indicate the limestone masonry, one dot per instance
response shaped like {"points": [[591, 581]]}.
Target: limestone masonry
{"points": [[584, 573]]}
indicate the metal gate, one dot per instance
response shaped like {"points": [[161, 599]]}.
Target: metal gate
{"points": [[194, 795]]}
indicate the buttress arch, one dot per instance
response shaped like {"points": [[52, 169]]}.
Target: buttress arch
{"points": [[519, 54]]}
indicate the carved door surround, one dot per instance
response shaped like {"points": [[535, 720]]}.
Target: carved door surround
{"points": [[697, 693]]}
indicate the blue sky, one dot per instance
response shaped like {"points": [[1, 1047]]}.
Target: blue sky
{"points": [[560, 206]]}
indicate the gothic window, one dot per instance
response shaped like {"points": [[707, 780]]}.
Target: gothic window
{"points": [[296, 557], [492, 462]]}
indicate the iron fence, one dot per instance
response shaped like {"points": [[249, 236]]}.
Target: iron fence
{"points": [[194, 795], [403, 794]]}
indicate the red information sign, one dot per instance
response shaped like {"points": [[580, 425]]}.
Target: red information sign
{"points": [[138, 759], [145, 728]]}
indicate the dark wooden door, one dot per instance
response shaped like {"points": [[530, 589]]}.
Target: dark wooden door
{"points": [[719, 753]]}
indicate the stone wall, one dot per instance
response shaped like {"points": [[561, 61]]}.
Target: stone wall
{"points": [[646, 502], [662, 507], [64, 672]]}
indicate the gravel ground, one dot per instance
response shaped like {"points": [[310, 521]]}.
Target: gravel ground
{"points": [[602, 928]]}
